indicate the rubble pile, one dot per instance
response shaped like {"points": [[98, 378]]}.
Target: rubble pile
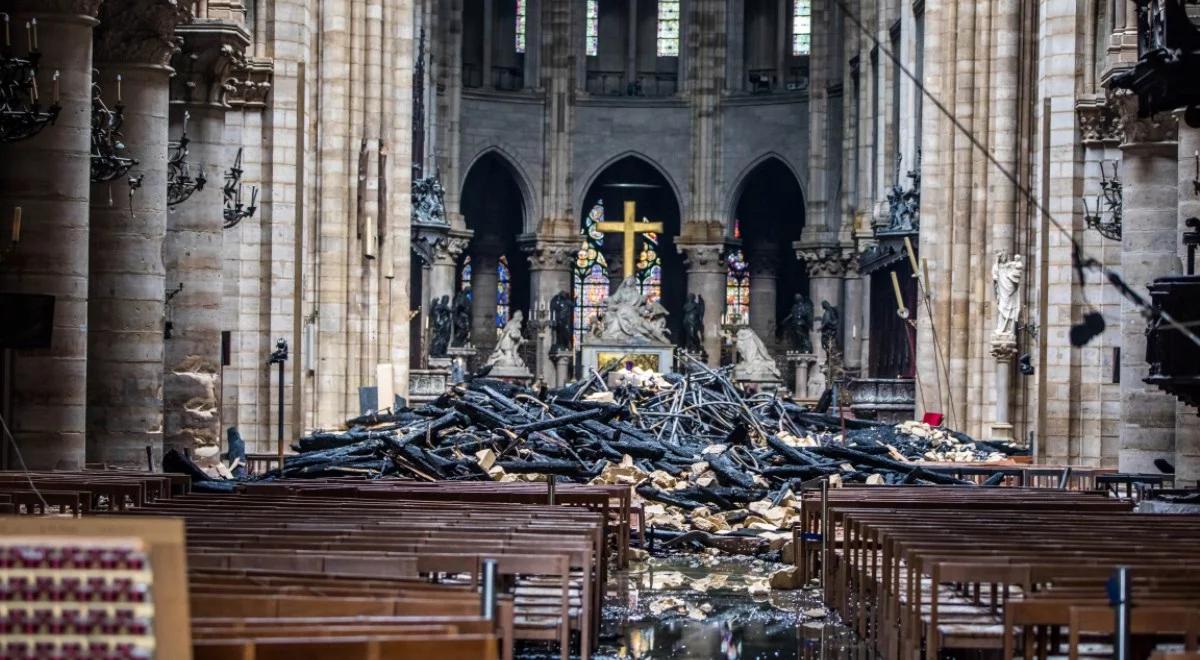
{"points": [[706, 457]]}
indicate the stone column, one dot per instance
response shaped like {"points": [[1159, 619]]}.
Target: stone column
{"points": [[1187, 428], [826, 265], [1004, 349], [853, 319], [47, 176], [193, 245], [440, 250], [764, 269], [489, 26], [485, 257], [1149, 173], [782, 42], [706, 275], [127, 275], [631, 39], [550, 265]]}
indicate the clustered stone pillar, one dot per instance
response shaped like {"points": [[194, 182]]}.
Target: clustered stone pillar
{"points": [[764, 269], [127, 274], [1149, 173], [550, 265], [1187, 430], [193, 245], [706, 276], [485, 257], [826, 266], [47, 176]]}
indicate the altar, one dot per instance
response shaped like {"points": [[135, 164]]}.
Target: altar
{"points": [[600, 355]]}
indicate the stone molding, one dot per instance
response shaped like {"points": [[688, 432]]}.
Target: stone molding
{"points": [[704, 258], [1162, 127], [205, 65], [252, 83], [139, 31], [826, 261], [233, 11], [1004, 347], [1099, 122]]}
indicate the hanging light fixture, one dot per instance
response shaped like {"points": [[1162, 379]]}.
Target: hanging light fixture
{"points": [[107, 146], [21, 112], [235, 212], [1106, 217], [180, 184]]}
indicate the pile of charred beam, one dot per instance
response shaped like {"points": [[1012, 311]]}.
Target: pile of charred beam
{"points": [[690, 443]]}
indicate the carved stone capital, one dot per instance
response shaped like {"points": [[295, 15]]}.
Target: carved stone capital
{"points": [[139, 31], [439, 247], [547, 255], [205, 66], [826, 261], [252, 83], [1163, 127], [1004, 347], [704, 258], [1099, 121]]}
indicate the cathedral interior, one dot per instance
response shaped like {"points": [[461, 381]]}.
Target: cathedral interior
{"points": [[263, 218]]}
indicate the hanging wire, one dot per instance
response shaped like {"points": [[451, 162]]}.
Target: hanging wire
{"points": [[1081, 261]]}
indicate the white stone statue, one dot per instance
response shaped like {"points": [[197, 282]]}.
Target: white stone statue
{"points": [[754, 362], [629, 318], [507, 355], [1006, 281]]}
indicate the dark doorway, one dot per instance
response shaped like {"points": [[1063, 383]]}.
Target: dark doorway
{"points": [[494, 209], [769, 217]]}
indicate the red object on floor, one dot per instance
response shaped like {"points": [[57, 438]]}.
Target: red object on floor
{"points": [[933, 419]]}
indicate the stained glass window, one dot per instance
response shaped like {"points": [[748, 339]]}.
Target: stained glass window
{"points": [[520, 27], [668, 28], [503, 287], [503, 291], [801, 26], [649, 267], [593, 27], [737, 289], [591, 274]]}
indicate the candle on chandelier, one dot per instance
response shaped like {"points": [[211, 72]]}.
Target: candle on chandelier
{"points": [[33, 80], [56, 94], [7, 34], [29, 35], [118, 88], [35, 34], [16, 225]]}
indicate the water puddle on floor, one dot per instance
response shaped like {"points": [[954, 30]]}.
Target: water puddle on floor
{"points": [[689, 607]]}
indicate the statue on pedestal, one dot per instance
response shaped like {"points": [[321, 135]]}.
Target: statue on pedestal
{"points": [[693, 324], [507, 355], [754, 362], [831, 326], [629, 318], [799, 324], [1006, 281], [562, 321], [439, 327], [462, 318]]}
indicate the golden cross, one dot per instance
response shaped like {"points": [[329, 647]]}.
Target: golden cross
{"points": [[630, 228]]}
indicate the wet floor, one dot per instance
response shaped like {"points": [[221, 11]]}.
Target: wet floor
{"points": [[700, 607]]}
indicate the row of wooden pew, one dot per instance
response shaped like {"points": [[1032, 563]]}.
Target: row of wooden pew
{"points": [[357, 569], [933, 571], [386, 570]]}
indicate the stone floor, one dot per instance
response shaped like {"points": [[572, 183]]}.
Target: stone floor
{"points": [[693, 607]]}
